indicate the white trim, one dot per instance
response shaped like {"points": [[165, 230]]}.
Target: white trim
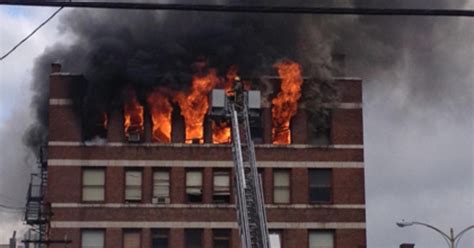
{"points": [[60, 101], [200, 163], [213, 206], [268, 146], [199, 224]]}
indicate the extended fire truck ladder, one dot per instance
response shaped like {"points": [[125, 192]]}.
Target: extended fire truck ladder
{"points": [[249, 194]]}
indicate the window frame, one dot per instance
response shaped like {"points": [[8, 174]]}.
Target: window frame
{"points": [[155, 231], [201, 232], [274, 187], [187, 199], [104, 186], [229, 191], [135, 231], [228, 237], [125, 185], [330, 186], [333, 233], [281, 233], [92, 230], [167, 170]]}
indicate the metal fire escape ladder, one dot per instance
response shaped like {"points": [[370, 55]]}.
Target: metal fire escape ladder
{"points": [[249, 197]]}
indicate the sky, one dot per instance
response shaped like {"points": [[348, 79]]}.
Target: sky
{"points": [[418, 155]]}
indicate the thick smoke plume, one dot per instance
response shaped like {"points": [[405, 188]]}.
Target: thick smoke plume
{"points": [[146, 49]]}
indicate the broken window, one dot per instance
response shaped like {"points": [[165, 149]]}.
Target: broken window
{"points": [[281, 186], [133, 185], [221, 192], [320, 181], [93, 184], [319, 127], [194, 186]]}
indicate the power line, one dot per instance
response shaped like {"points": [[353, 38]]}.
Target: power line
{"points": [[31, 34], [248, 9]]}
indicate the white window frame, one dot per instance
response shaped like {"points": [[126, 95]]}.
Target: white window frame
{"points": [[328, 242], [281, 186], [161, 184], [131, 186], [88, 187], [85, 244], [219, 190]]}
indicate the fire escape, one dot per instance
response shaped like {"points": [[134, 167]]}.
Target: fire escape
{"points": [[38, 211]]}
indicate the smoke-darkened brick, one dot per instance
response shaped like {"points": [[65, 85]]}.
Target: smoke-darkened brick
{"points": [[346, 126]]}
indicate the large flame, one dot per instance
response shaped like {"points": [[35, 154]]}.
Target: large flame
{"points": [[133, 114], [160, 109], [221, 132], [285, 105], [194, 105]]}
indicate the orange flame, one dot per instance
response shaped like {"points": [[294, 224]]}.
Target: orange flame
{"points": [[230, 77], [220, 132], [194, 105], [160, 109], [285, 105], [133, 114]]}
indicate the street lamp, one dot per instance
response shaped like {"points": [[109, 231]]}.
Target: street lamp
{"points": [[450, 239]]}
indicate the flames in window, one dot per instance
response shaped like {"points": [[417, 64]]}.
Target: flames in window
{"points": [[133, 116], [194, 105], [221, 133], [285, 104], [160, 110]]}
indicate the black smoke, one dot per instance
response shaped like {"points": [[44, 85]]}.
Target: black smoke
{"points": [[114, 48]]}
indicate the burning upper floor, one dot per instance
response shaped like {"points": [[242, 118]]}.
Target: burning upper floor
{"points": [[165, 115]]}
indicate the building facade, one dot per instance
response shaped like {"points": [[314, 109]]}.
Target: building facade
{"points": [[116, 193]]}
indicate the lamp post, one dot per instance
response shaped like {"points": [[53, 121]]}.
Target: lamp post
{"points": [[451, 239]]}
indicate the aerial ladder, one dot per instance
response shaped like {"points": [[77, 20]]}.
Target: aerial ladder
{"points": [[250, 206]]}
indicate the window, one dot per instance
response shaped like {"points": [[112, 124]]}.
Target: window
{"points": [[131, 239], [193, 238], [276, 240], [159, 238], [321, 239], [133, 185], [320, 185], [221, 192], [194, 186], [93, 182], [221, 238], [281, 186], [92, 239], [319, 126], [161, 187]]}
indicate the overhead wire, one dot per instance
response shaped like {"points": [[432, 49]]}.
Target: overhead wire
{"points": [[31, 34]]}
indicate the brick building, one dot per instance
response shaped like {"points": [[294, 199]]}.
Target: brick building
{"points": [[121, 194]]}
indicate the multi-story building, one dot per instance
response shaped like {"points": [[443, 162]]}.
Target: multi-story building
{"points": [[117, 193]]}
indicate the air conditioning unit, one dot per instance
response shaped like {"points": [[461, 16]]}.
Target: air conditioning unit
{"points": [[134, 137], [160, 200]]}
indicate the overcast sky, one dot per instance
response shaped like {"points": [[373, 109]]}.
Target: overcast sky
{"points": [[418, 156]]}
